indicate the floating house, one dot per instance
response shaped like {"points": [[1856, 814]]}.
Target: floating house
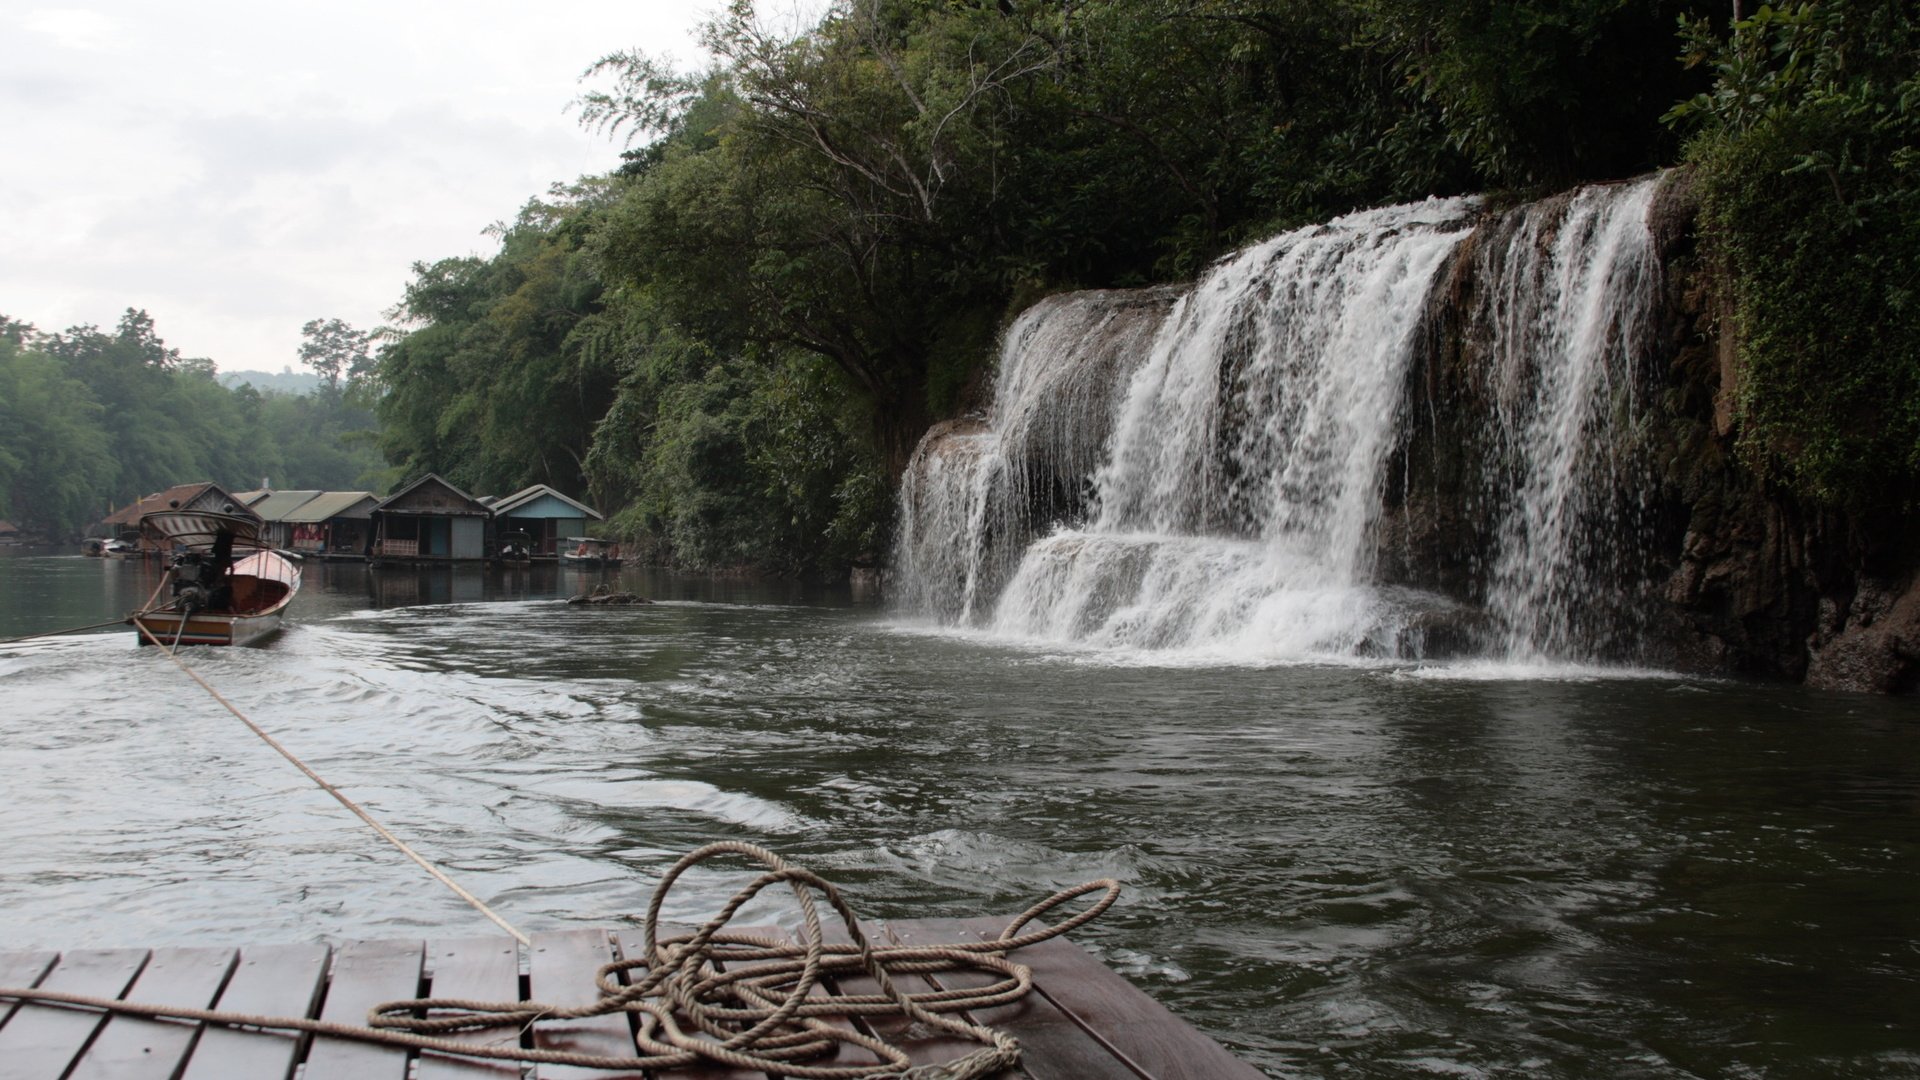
{"points": [[543, 514], [334, 524], [430, 519], [274, 508]]}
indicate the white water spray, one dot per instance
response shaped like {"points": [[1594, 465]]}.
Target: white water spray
{"points": [[1575, 286], [1206, 474]]}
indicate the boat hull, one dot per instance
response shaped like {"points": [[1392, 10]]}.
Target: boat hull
{"points": [[263, 584], [205, 629]]}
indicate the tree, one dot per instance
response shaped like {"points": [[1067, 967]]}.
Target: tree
{"points": [[334, 350], [1541, 92], [502, 366]]}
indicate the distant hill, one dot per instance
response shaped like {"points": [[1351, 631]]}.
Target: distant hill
{"points": [[284, 381]]}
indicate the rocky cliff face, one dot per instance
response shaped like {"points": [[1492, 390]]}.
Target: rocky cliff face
{"points": [[1748, 579], [1424, 432]]}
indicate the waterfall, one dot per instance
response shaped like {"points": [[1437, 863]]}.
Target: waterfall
{"points": [[1574, 282], [975, 492], [1204, 470]]}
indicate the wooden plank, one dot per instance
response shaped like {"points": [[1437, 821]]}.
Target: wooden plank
{"points": [[1140, 1030], [476, 969], [937, 1049], [1052, 1045], [843, 1053], [22, 971], [560, 972], [365, 973], [270, 980], [138, 1048], [44, 1040]]}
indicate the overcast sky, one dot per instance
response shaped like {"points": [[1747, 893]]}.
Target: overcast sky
{"points": [[237, 169]]}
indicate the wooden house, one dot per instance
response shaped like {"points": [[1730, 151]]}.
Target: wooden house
{"points": [[335, 524], [545, 515], [204, 495], [430, 519], [274, 508]]}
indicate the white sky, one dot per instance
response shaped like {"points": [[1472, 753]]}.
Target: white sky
{"points": [[237, 169]]}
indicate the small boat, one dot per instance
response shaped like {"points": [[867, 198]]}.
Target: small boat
{"points": [[229, 586], [514, 548], [588, 551], [94, 547]]}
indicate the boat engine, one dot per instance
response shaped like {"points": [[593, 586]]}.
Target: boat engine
{"points": [[193, 583]]}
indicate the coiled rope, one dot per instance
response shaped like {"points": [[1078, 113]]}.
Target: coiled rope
{"points": [[759, 1014]]}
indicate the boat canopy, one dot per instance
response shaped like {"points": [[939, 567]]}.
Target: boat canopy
{"points": [[197, 530]]}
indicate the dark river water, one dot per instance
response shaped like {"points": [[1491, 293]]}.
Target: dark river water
{"points": [[1338, 871]]}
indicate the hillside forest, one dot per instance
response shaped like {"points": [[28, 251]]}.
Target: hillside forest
{"points": [[733, 338], [92, 419]]}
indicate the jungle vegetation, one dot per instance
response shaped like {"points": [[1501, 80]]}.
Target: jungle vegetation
{"points": [[92, 419], [1808, 155], [736, 338]]}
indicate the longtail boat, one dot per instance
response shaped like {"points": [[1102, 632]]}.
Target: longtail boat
{"points": [[229, 586]]}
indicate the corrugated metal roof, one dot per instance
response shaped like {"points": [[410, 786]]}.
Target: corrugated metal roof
{"points": [[508, 504], [278, 505], [333, 504], [413, 500]]}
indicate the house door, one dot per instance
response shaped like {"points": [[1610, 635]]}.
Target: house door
{"points": [[468, 538]]}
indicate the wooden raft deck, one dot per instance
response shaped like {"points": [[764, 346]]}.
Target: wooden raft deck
{"points": [[1082, 1022]]}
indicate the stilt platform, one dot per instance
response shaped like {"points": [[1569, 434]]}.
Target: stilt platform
{"points": [[1081, 1022]]}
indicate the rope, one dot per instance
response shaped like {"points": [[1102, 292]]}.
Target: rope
{"points": [[759, 1014], [478, 904], [69, 630], [145, 609]]}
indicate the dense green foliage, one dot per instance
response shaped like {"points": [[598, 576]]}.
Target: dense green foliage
{"points": [[510, 360], [747, 327], [1810, 175], [90, 420]]}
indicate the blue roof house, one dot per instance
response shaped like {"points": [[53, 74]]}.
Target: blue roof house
{"points": [[545, 515]]}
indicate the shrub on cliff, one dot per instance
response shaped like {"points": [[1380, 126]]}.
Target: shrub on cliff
{"points": [[1810, 182]]}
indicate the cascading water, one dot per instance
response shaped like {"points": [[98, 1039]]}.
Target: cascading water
{"points": [[974, 494], [1205, 471], [1245, 464], [1567, 319]]}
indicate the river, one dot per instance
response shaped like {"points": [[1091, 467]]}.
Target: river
{"points": [[1376, 870]]}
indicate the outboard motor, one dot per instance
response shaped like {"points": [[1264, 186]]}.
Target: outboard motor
{"points": [[200, 578], [193, 581]]}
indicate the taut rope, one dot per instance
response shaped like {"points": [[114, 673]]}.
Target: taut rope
{"points": [[145, 609], [69, 630], [439, 875], [758, 1015]]}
